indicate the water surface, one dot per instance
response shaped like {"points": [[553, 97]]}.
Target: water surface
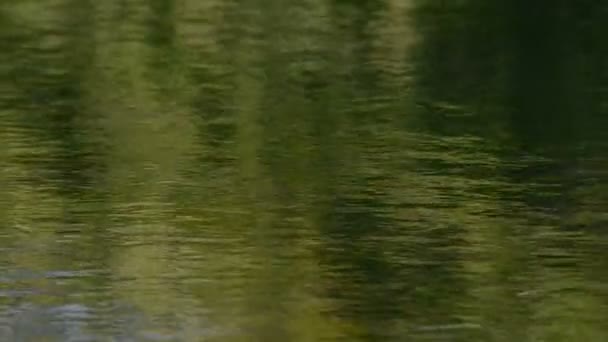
{"points": [[317, 170]]}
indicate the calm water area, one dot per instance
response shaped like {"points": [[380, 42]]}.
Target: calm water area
{"points": [[314, 170]]}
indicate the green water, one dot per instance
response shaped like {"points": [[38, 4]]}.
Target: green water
{"points": [[315, 170]]}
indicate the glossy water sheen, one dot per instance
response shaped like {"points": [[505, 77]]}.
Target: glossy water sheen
{"points": [[316, 170]]}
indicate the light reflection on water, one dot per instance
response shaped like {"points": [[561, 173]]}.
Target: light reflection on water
{"points": [[327, 170]]}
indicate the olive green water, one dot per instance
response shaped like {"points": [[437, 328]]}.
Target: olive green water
{"points": [[316, 170]]}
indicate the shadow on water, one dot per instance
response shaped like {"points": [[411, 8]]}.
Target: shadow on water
{"points": [[328, 170]]}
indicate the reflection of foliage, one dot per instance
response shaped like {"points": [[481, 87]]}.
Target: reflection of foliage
{"points": [[389, 164]]}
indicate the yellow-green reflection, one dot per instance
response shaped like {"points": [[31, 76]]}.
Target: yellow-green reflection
{"points": [[321, 170]]}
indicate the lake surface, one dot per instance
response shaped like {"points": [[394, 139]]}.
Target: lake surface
{"points": [[316, 170]]}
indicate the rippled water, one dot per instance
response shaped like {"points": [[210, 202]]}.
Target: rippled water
{"points": [[321, 170]]}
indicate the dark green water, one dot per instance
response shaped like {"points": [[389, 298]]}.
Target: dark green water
{"points": [[316, 170]]}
